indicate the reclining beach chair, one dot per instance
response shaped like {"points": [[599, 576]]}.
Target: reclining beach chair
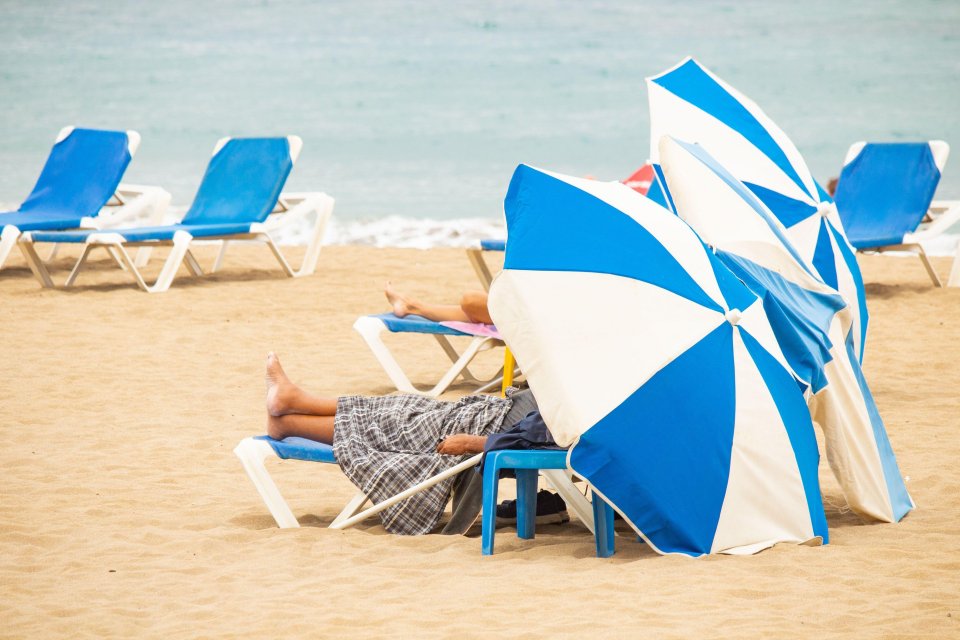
{"points": [[253, 452], [371, 328], [239, 191], [885, 197], [79, 187]]}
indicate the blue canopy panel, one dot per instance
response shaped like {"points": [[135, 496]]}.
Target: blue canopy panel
{"points": [[800, 318], [884, 193], [787, 210], [900, 501], [243, 182], [82, 172], [672, 484], [415, 324], [545, 217], [143, 234], [824, 260], [693, 84], [658, 191]]}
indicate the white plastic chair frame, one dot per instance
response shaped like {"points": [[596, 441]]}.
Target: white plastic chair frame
{"points": [[371, 330], [293, 206]]}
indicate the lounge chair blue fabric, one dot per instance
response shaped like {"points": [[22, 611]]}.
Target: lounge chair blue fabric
{"points": [[81, 175], [885, 193], [241, 187]]}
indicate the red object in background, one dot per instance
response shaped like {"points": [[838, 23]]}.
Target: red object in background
{"points": [[641, 179]]}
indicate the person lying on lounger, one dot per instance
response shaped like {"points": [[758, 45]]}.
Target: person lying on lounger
{"points": [[472, 307], [387, 444]]}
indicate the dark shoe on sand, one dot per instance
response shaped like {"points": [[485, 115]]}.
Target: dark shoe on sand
{"points": [[551, 509]]}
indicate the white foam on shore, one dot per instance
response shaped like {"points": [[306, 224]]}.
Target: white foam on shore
{"points": [[426, 233]]}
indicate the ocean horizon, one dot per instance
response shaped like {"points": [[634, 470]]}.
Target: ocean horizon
{"points": [[417, 113]]}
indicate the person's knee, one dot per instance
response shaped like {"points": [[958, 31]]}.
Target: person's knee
{"points": [[474, 305]]}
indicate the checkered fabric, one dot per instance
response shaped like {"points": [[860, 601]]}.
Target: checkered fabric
{"points": [[387, 444]]}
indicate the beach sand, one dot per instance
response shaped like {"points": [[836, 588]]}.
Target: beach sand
{"points": [[124, 513]]}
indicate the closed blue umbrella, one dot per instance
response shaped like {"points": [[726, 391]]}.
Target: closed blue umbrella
{"points": [[809, 319], [657, 367], [690, 103]]}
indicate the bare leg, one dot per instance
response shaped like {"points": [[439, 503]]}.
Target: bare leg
{"points": [[404, 306], [284, 397], [319, 428], [474, 306]]}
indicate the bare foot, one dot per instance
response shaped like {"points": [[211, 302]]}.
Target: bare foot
{"points": [[279, 387], [401, 306]]}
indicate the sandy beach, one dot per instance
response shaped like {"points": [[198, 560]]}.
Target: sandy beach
{"points": [[124, 513]]}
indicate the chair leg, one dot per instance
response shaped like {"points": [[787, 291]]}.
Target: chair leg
{"points": [[8, 239], [81, 261], [954, 280], [356, 503], [526, 503], [29, 251], [491, 481], [929, 267], [252, 453], [603, 522], [480, 267]]}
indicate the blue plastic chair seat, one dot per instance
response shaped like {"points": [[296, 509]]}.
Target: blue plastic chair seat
{"points": [[493, 245], [525, 464], [415, 324], [34, 221], [294, 448]]}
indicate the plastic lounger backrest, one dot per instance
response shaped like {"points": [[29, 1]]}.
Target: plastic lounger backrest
{"points": [[81, 173], [243, 181], [884, 192]]}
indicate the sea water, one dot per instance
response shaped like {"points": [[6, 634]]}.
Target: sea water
{"points": [[414, 114]]}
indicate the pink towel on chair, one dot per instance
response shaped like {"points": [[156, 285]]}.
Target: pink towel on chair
{"points": [[474, 328]]}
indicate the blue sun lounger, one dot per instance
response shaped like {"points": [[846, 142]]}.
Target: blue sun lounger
{"points": [[79, 187], [885, 198], [253, 452], [371, 328], [240, 189]]}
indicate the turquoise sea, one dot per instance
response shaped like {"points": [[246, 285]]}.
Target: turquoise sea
{"points": [[423, 109]]}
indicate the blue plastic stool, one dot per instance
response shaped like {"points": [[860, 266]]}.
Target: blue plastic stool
{"points": [[525, 464]]}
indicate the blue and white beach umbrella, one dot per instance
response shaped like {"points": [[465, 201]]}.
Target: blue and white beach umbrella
{"points": [[690, 103], [809, 319], [657, 367]]}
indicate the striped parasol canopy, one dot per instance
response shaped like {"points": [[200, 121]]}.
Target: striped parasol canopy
{"points": [[809, 318], [657, 367], [690, 103]]}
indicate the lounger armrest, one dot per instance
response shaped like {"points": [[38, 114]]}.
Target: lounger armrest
{"points": [[292, 207], [131, 205], [945, 214]]}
